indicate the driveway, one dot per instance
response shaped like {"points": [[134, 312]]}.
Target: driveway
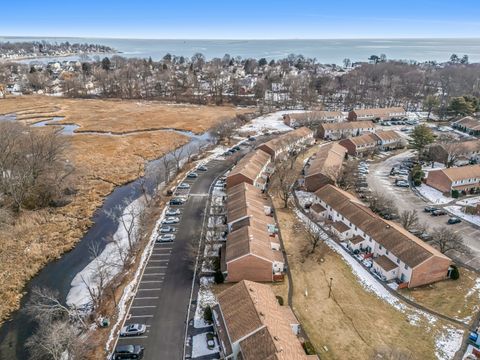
{"points": [[405, 199]]}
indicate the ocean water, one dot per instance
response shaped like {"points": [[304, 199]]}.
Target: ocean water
{"points": [[325, 51]]}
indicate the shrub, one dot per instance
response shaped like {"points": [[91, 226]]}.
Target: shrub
{"points": [[455, 194], [417, 182], [454, 273], [280, 300], [216, 263], [218, 277], [308, 347], [207, 314]]}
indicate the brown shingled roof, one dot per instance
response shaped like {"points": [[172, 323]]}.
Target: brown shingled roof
{"points": [[251, 165], [277, 144], [349, 125], [365, 139], [379, 111], [462, 172], [389, 135], [394, 238], [328, 161], [385, 263], [252, 313], [469, 123]]}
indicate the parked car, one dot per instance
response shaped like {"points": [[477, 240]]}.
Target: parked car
{"points": [[202, 168], [173, 212], [237, 148], [192, 175], [133, 330], [453, 220], [177, 201], [128, 352], [439, 212], [166, 238], [183, 186], [251, 138], [402, 183], [167, 229], [430, 209], [171, 220]]}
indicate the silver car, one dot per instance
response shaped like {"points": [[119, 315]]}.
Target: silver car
{"points": [[133, 330], [166, 238]]}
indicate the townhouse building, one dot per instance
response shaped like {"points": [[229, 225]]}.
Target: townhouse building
{"points": [[251, 325], [252, 250], [282, 144], [336, 131], [254, 168], [464, 178], [325, 166], [376, 114], [359, 145], [468, 124], [396, 254], [294, 120]]}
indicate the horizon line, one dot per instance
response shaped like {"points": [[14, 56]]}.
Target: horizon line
{"points": [[239, 39]]}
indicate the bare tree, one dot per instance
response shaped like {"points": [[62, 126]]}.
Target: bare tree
{"points": [[409, 219], [283, 181], [382, 205], [446, 240], [347, 177], [130, 217], [313, 235]]}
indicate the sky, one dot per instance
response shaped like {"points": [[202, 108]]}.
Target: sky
{"points": [[244, 19]]}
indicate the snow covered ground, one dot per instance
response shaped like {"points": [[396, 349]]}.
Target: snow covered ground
{"points": [[433, 195], [447, 344], [205, 298], [457, 211], [108, 263], [436, 166], [200, 348], [270, 122]]}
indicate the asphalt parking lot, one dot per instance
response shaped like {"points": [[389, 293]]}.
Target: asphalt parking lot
{"points": [[162, 299]]}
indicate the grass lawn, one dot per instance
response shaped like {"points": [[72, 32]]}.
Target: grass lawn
{"points": [[459, 299]]}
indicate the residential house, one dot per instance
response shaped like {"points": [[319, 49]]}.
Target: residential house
{"points": [[396, 253], [359, 145], [282, 144], [464, 178], [376, 114], [251, 325], [300, 119], [468, 124], [254, 168], [325, 166], [343, 130]]}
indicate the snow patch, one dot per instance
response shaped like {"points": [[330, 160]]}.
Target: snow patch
{"points": [[457, 211], [200, 348], [270, 122], [205, 298], [448, 343], [433, 195]]}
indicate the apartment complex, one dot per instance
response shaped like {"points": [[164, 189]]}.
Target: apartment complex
{"points": [[325, 166], [254, 168], [376, 114], [282, 144], [464, 151], [396, 254], [464, 178], [336, 131], [251, 325], [294, 120]]}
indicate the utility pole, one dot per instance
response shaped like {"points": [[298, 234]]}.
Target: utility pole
{"points": [[330, 288]]}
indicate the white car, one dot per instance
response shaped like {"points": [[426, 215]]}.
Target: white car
{"points": [[183, 186], [133, 330], [166, 238], [171, 220], [166, 229], [173, 212]]}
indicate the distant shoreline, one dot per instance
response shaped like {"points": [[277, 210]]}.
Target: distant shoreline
{"points": [[22, 58]]}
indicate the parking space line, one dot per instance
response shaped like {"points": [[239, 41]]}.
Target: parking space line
{"points": [[156, 267], [152, 289], [143, 306], [147, 298], [158, 260], [140, 316], [132, 337], [160, 254], [152, 274], [150, 281]]}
